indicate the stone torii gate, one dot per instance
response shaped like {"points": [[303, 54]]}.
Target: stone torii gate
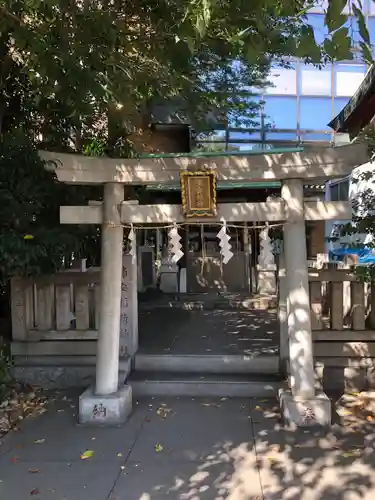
{"points": [[292, 168]]}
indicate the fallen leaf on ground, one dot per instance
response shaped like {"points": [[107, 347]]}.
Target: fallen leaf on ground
{"points": [[87, 454], [158, 448], [163, 412], [39, 441], [34, 470], [35, 491]]}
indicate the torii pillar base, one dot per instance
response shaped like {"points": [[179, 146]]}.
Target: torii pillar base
{"points": [[111, 409], [298, 412]]}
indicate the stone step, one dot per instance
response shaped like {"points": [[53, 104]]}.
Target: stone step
{"points": [[191, 363], [208, 385]]}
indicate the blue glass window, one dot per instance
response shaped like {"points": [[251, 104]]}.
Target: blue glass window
{"points": [[371, 28], [284, 81], [315, 81], [316, 21], [243, 135], [339, 104], [316, 137], [281, 136], [243, 146], [352, 24], [315, 112], [348, 78], [281, 112]]}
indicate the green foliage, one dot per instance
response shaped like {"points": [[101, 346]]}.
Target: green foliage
{"points": [[274, 27], [5, 376], [31, 239]]}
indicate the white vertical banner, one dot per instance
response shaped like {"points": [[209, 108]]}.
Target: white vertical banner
{"points": [[129, 307], [225, 246], [175, 244]]}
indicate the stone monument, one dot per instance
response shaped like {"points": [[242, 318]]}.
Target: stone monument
{"points": [[129, 307]]}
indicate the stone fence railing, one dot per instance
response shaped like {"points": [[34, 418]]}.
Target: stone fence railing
{"points": [[340, 301], [343, 324], [62, 306]]}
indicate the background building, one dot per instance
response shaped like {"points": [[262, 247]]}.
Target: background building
{"points": [[304, 98]]}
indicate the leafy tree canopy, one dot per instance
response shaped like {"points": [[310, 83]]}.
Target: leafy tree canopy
{"points": [[63, 62], [31, 238]]}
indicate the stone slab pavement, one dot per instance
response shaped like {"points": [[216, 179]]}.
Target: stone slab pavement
{"points": [[187, 449], [208, 332]]}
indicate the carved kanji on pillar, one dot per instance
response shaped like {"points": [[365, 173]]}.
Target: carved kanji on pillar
{"points": [[129, 310]]}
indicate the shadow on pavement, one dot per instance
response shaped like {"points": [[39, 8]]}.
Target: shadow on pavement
{"points": [[191, 449]]}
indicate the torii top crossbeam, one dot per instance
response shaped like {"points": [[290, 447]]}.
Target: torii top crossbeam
{"points": [[297, 163]]}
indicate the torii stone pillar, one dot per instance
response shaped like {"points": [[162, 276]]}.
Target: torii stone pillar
{"points": [[301, 405], [107, 403]]}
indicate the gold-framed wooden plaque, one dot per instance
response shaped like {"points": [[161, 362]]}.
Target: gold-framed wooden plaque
{"points": [[198, 192]]}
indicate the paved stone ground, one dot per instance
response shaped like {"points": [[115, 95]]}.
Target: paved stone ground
{"points": [[218, 331], [188, 449]]}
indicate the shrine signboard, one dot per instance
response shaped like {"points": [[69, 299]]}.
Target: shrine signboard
{"points": [[198, 192]]}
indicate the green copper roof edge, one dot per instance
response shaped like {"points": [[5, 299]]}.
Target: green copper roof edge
{"points": [[223, 153]]}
